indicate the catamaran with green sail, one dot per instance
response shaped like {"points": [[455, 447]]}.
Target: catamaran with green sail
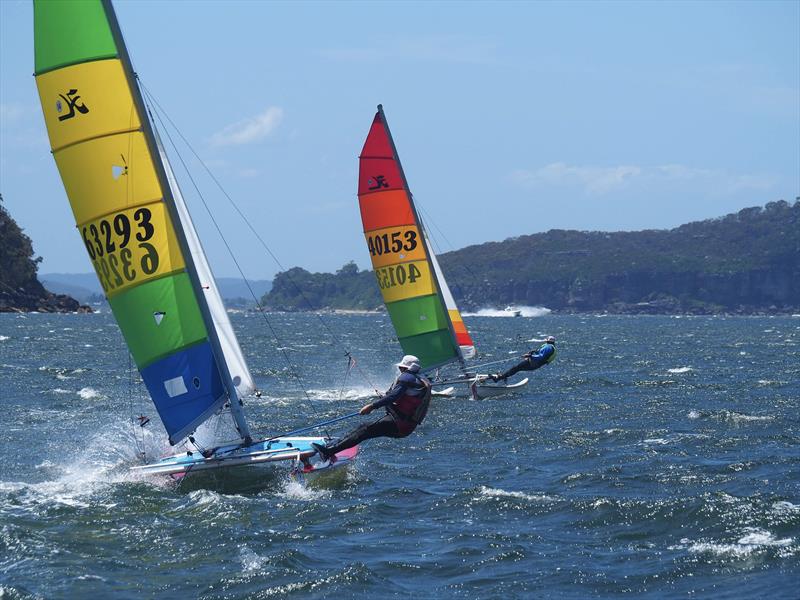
{"points": [[134, 223]]}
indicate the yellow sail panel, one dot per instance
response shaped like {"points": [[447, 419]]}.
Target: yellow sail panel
{"points": [[392, 245], [107, 175], [406, 280], [132, 246], [85, 101]]}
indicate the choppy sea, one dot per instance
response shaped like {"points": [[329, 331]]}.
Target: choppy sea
{"points": [[658, 457]]}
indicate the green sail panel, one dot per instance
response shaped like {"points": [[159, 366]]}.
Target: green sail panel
{"points": [[67, 33], [433, 349], [159, 318], [417, 315]]}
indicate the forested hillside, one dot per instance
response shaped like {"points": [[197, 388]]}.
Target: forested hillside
{"points": [[745, 262]]}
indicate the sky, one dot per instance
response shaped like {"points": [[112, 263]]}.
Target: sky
{"points": [[510, 118]]}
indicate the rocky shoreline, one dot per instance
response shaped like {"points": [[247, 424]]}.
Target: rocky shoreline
{"points": [[46, 303]]}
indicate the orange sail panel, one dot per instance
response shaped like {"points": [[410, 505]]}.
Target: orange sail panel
{"points": [[404, 266]]}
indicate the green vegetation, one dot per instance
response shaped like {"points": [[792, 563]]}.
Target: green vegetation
{"points": [[20, 290], [17, 265], [348, 288], [744, 262]]}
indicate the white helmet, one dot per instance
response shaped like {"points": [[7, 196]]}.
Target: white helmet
{"points": [[409, 362], [550, 339]]}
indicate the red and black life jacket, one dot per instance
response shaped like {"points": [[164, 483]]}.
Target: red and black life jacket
{"points": [[409, 411]]}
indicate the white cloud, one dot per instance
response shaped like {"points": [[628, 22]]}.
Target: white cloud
{"points": [[598, 181], [594, 180], [249, 130]]}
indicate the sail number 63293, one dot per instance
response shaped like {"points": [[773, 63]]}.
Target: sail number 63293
{"points": [[121, 247]]}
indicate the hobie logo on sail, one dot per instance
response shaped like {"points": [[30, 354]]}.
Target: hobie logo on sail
{"points": [[72, 104], [377, 182]]}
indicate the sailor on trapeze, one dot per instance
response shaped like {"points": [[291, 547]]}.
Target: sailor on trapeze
{"points": [[406, 404], [531, 360]]}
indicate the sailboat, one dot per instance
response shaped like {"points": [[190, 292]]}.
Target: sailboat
{"points": [[137, 230], [419, 302]]}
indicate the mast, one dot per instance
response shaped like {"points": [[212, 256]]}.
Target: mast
{"points": [[423, 236], [236, 404]]}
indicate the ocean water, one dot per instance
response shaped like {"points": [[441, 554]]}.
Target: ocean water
{"points": [[658, 457]]}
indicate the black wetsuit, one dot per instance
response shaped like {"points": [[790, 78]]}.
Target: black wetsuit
{"points": [[407, 383], [544, 355]]}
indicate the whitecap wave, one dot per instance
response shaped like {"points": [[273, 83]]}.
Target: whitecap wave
{"points": [[362, 393], [525, 311], [250, 560], [3, 338], [737, 417], [754, 540], [500, 493], [680, 370], [88, 393], [784, 507]]}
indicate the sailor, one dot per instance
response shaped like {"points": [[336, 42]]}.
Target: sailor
{"points": [[531, 360], [406, 404]]}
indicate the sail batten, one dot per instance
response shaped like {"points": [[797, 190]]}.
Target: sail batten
{"points": [[413, 288], [114, 176]]}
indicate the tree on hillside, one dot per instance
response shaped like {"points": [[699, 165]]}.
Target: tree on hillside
{"points": [[18, 267]]}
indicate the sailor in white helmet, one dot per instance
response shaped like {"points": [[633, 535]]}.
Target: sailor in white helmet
{"points": [[406, 404]]}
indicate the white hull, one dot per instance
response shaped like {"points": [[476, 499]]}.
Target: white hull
{"points": [[296, 450], [480, 389]]}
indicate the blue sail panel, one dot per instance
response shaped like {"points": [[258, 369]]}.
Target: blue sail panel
{"points": [[186, 388]]}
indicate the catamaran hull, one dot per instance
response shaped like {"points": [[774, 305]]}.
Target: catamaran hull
{"points": [[297, 450], [481, 390], [446, 392]]}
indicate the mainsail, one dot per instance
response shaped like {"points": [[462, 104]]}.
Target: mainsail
{"points": [[132, 218], [416, 295]]}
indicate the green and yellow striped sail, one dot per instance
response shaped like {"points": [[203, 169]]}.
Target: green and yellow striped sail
{"points": [[108, 164]]}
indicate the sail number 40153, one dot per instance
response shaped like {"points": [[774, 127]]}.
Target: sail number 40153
{"points": [[389, 277], [397, 241], [119, 248]]}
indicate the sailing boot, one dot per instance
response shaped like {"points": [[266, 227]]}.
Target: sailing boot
{"points": [[321, 450]]}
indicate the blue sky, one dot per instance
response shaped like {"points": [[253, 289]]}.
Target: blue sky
{"points": [[510, 118]]}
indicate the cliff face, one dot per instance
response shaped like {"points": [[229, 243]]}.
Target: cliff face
{"points": [[20, 290]]}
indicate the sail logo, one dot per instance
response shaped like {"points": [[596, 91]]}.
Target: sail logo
{"points": [[158, 316], [377, 182], [72, 104]]}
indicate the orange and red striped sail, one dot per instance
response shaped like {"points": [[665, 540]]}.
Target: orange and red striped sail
{"points": [[416, 295]]}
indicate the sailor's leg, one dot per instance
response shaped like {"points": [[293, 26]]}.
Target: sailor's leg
{"points": [[524, 365], [383, 427]]}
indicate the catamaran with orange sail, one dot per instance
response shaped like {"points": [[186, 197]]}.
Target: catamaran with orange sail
{"points": [[419, 302]]}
